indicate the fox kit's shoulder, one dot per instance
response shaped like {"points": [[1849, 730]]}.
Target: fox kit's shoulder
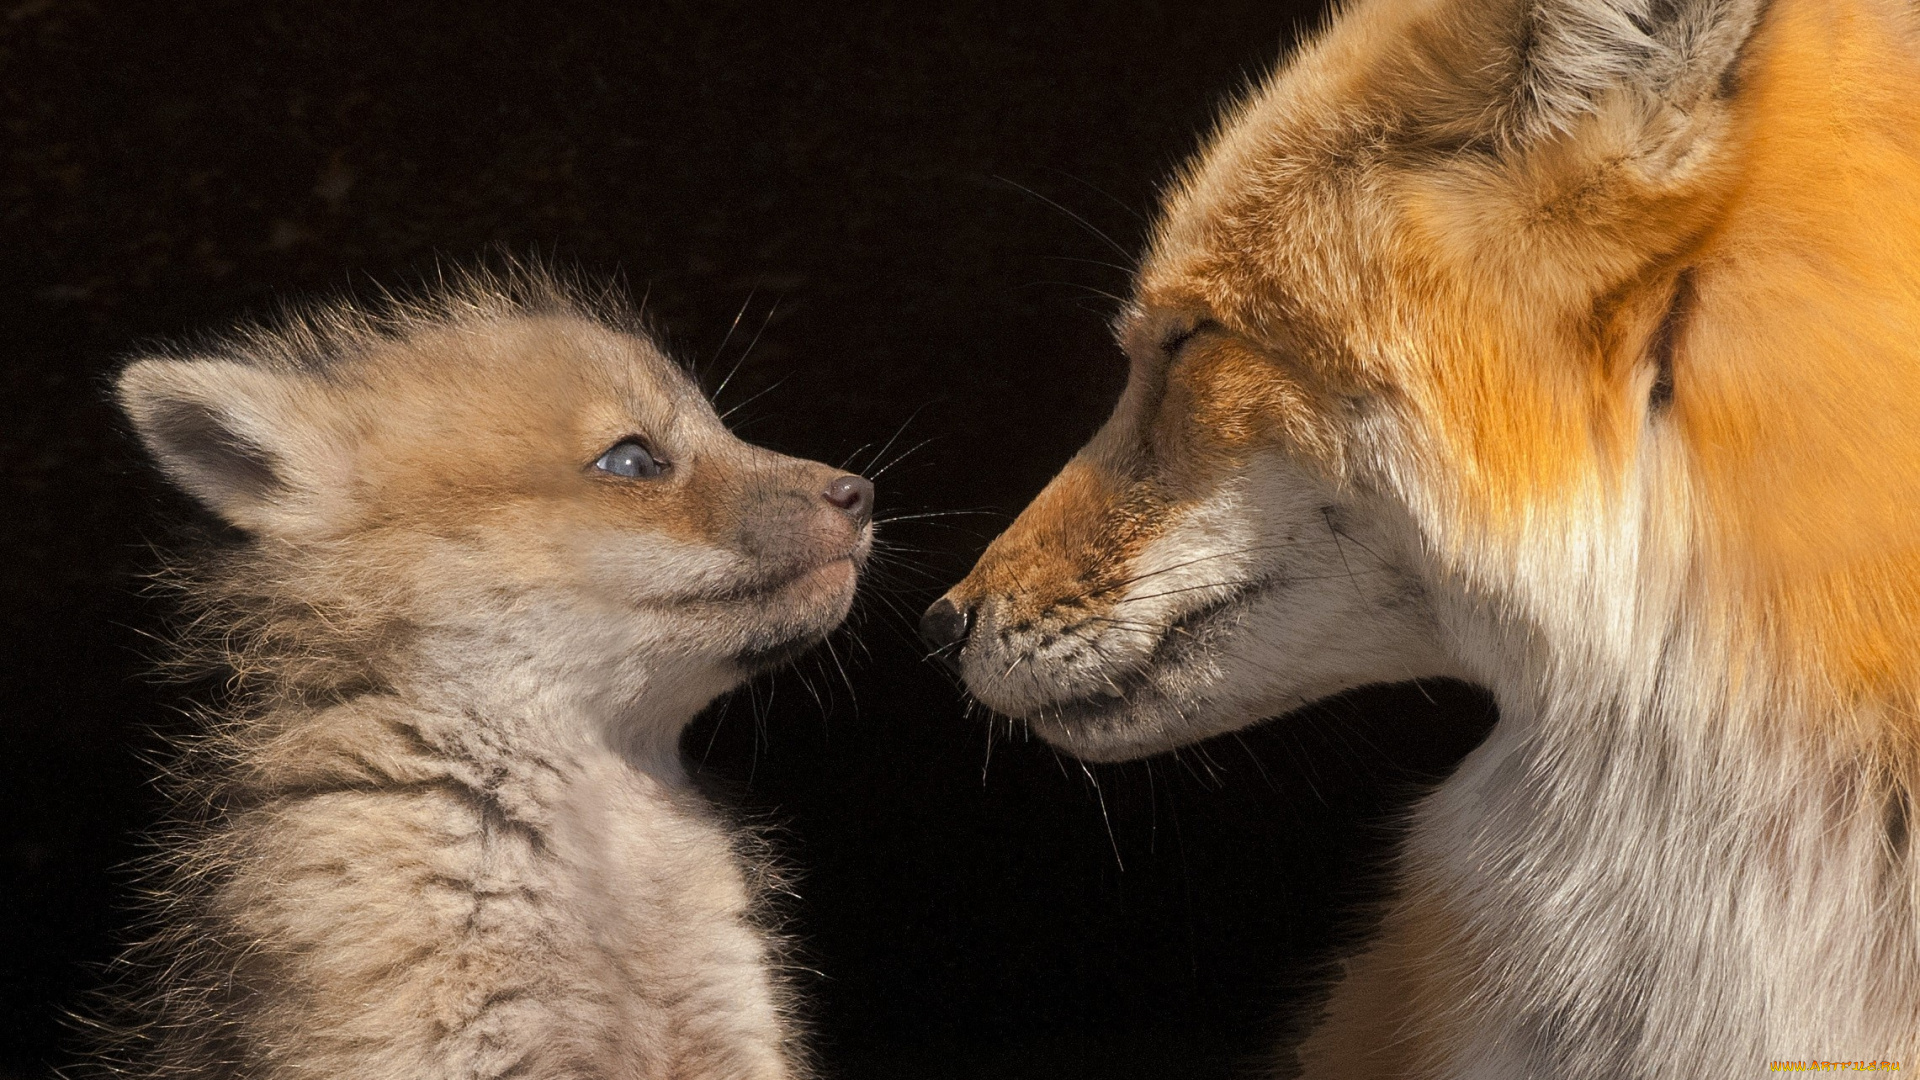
{"points": [[495, 552]]}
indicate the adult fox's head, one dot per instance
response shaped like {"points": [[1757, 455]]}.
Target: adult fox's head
{"points": [[1493, 335]]}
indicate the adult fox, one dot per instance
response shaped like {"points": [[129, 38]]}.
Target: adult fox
{"points": [[1571, 347]]}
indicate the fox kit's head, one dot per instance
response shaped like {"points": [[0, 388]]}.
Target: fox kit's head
{"points": [[498, 491], [1491, 335]]}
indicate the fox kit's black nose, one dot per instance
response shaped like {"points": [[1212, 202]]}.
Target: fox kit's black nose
{"points": [[853, 495], [943, 628]]}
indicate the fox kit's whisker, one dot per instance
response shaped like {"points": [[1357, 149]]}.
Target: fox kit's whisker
{"points": [[755, 396], [744, 353], [895, 437], [931, 514], [904, 455], [721, 349]]}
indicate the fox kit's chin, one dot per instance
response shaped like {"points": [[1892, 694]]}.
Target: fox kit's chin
{"points": [[826, 589], [799, 613], [825, 593]]}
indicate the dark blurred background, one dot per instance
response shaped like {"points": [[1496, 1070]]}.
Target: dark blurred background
{"points": [[919, 217]]}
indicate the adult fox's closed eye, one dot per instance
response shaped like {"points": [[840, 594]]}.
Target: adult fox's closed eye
{"points": [[498, 552], [1571, 347]]}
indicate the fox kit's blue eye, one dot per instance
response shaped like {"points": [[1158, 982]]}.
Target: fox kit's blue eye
{"points": [[629, 457]]}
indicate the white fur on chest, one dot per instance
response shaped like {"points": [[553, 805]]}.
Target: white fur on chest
{"points": [[531, 913], [1658, 892]]}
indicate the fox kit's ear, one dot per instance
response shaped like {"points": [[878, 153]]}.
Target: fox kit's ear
{"points": [[242, 440], [1671, 60]]}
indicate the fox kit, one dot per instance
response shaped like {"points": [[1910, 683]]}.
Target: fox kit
{"points": [[1571, 347], [498, 551]]}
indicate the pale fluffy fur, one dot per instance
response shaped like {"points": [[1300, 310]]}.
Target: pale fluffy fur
{"points": [[442, 829], [1568, 347]]}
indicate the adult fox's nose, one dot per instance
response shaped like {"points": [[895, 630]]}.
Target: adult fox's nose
{"points": [[943, 629], [852, 495]]}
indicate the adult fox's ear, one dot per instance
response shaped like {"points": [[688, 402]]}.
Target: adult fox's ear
{"points": [[245, 441], [1672, 62]]}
